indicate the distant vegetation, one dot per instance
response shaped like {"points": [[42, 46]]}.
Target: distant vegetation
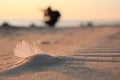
{"points": [[6, 24], [51, 16], [89, 24]]}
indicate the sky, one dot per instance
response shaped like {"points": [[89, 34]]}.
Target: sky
{"points": [[70, 9]]}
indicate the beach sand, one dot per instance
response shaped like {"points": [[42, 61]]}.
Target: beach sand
{"points": [[74, 53]]}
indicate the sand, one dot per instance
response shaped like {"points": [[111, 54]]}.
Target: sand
{"points": [[73, 53]]}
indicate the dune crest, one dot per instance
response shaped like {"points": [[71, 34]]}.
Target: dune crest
{"points": [[34, 63], [33, 60]]}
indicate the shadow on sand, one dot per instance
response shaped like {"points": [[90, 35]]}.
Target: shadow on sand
{"points": [[67, 65]]}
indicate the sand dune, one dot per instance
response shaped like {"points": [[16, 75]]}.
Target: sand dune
{"points": [[33, 64], [75, 67], [71, 54]]}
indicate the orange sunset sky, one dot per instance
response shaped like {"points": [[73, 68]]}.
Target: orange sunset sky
{"points": [[70, 9]]}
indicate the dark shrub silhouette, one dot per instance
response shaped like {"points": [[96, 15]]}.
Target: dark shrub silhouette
{"points": [[5, 24], [89, 24], [51, 16], [32, 25]]}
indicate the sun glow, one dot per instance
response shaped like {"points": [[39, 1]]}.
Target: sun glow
{"points": [[72, 9]]}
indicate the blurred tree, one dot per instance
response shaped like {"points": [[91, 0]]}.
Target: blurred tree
{"points": [[5, 24], [89, 24], [51, 16]]}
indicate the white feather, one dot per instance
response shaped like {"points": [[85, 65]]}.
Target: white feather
{"points": [[24, 49]]}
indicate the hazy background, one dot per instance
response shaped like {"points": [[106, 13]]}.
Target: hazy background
{"points": [[75, 10]]}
